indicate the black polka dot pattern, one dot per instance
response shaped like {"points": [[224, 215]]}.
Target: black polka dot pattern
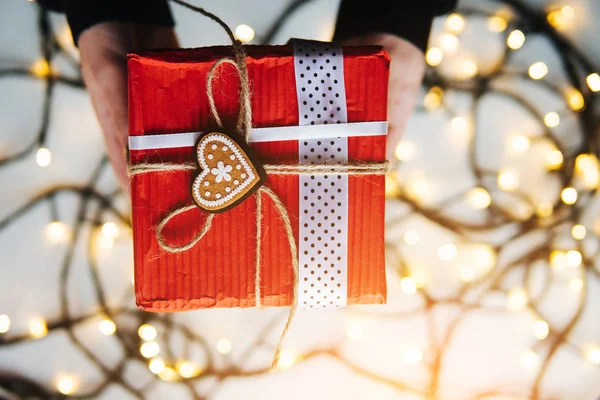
{"points": [[323, 198]]}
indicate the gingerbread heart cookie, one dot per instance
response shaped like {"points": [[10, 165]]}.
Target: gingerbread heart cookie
{"points": [[229, 172]]}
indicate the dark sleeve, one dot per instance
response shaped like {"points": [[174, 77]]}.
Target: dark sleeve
{"points": [[83, 14], [409, 19]]}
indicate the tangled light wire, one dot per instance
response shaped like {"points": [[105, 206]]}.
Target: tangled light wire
{"points": [[508, 211]]}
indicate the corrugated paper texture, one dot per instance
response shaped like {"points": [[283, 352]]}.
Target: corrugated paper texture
{"points": [[167, 94]]}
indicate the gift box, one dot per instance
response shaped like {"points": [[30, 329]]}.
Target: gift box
{"points": [[312, 103]]}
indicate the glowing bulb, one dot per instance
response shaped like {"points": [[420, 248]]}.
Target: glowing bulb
{"points": [[517, 299], [447, 252], [411, 238], [110, 230], [478, 198], [578, 232], [575, 100], [147, 332], [4, 323], [409, 286], [449, 42], [530, 360], [392, 188], [287, 359], [541, 329], [168, 374], [587, 167], [484, 256], [538, 70], [575, 285], [244, 33], [419, 190], [560, 18], [434, 56], [567, 11], [455, 23], [515, 39], [41, 68], [67, 384], [188, 369], [558, 259], [355, 332], [569, 195], [593, 355], [156, 365], [433, 98], [497, 24], [107, 326], [224, 346], [593, 82], [459, 124], [106, 242], [466, 273], [43, 157], [508, 181], [544, 209], [520, 144], [412, 355], [551, 119], [38, 328], [57, 232], [554, 160], [574, 258], [404, 150], [149, 349], [469, 68]]}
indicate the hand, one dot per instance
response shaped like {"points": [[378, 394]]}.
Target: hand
{"points": [[104, 49], [406, 73]]}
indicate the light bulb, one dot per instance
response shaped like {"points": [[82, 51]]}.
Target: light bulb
{"points": [[168, 374], [484, 256], [459, 124], [575, 285], [147, 332], [567, 11], [551, 119], [224, 346], [569, 195], [43, 157], [355, 331], [455, 23], [560, 18], [287, 359], [67, 384], [244, 33], [188, 369], [593, 355], [404, 150], [593, 82], [149, 349], [38, 328], [520, 144], [110, 230], [478, 198], [538, 70], [412, 355], [434, 56], [449, 43], [433, 98], [554, 160], [541, 329], [558, 259], [466, 273], [419, 190], [574, 258], [4, 323], [587, 167], [544, 209], [515, 39], [578, 232], [468, 68], [107, 327], [517, 299], [575, 99], [57, 232], [497, 24], [409, 286], [41, 68], [156, 365], [411, 238], [508, 181], [447, 252]]}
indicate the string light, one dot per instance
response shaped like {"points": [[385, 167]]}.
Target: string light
{"points": [[459, 124], [110, 230], [593, 82], [544, 209], [433, 98], [466, 273], [57, 232], [574, 258], [560, 18], [508, 181], [411, 238], [517, 299], [447, 252], [43, 157], [4, 323], [558, 259], [38, 328], [392, 188], [41, 68], [149, 349], [412, 355], [409, 286], [455, 23], [434, 56], [147, 332], [554, 160], [497, 24], [515, 39], [538, 70], [541, 329], [484, 256], [569, 195], [168, 374], [530, 360], [107, 326], [188, 369], [588, 169], [287, 359], [575, 285], [551, 120], [593, 355], [575, 99], [224, 346], [468, 68], [578, 232], [520, 144], [449, 43], [404, 150], [355, 331], [67, 384], [244, 33], [478, 198], [156, 365]]}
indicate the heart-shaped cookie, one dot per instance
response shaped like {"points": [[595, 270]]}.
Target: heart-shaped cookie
{"points": [[229, 172]]}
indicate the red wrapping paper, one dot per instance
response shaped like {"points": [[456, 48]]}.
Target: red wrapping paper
{"points": [[167, 94]]}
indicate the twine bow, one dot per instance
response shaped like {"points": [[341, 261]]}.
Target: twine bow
{"points": [[244, 125]]}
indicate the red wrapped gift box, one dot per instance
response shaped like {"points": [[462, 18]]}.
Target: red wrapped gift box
{"points": [[167, 96]]}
